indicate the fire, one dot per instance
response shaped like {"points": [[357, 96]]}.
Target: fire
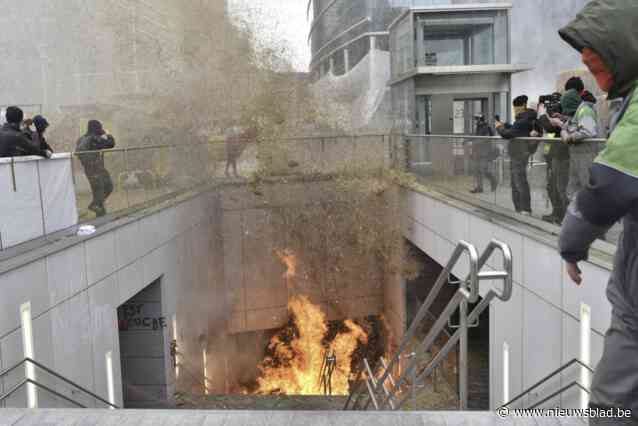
{"points": [[295, 366]]}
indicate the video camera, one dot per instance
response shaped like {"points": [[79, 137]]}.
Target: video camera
{"points": [[552, 103]]}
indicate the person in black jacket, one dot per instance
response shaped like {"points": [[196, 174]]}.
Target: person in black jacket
{"points": [[37, 136], [14, 143], [519, 152], [96, 139], [482, 156]]}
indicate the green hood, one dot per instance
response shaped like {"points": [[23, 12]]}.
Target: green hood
{"points": [[609, 28], [570, 102]]}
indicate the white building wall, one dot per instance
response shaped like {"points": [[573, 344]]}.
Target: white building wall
{"points": [[541, 321], [75, 294]]}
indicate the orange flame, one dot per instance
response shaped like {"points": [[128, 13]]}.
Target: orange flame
{"points": [[295, 367]]}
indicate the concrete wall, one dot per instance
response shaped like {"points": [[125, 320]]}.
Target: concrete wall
{"points": [[541, 321], [215, 256], [76, 286]]}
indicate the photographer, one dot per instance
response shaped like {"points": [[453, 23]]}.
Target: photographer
{"points": [[519, 152], [483, 154], [557, 157], [96, 139]]}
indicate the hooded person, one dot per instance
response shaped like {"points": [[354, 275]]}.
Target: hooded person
{"points": [[604, 32], [582, 125], [13, 142], [96, 139], [519, 152]]}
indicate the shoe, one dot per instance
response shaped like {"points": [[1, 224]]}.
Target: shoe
{"points": [[550, 218], [526, 213], [476, 191]]}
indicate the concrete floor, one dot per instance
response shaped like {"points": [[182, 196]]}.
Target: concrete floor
{"points": [[262, 418]]}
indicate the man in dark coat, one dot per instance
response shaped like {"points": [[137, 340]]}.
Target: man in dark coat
{"points": [[482, 156], [605, 34], [519, 152], [14, 143], [37, 136], [96, 139]]}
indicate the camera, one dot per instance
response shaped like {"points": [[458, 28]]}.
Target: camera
{"points": [[552, 103]]}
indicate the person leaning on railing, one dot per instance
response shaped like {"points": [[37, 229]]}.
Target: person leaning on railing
{"points": [[519, 152], [605, 34], [13, 142], [96, 139]]}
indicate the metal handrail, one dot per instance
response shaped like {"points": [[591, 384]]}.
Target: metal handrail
{"points": [[56, 375], [547, 378], [461, 333], [459, 300], [40, 385], [497, 138]]}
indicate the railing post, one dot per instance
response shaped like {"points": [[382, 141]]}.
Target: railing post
{"points": [[463, 358]]}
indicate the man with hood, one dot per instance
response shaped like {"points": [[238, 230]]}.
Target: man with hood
{"points": [[14, 143], [605, 34], [519, 152], [96, 139], [582, 124]]}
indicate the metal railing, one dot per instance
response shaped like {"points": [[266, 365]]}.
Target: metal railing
{"points": [[449, 164], [555, 393], [393, 396], [28, 381]]}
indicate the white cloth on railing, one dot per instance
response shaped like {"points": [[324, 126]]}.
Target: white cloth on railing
{"points": [[40, 202]]}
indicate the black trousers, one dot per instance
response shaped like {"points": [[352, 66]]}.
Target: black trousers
{"points": [[521, 196], [557, 180], [101, 186]]}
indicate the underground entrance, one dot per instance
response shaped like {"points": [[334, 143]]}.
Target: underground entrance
{"points": [[142, 349]]}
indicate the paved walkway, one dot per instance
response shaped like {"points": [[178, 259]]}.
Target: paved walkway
{"points": [[234, 418]]}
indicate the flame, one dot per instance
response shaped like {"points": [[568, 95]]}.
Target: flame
{"points": [[295, 366]]}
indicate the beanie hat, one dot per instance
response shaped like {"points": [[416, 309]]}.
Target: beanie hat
{"points": [[570, 102], [40, 123], [95, 127], [520, 101], [14, 115]]}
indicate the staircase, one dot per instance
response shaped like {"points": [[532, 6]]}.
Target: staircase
{"points": [[389, 385]]}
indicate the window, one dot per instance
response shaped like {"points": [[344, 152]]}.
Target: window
{"points": [[448, 41]]}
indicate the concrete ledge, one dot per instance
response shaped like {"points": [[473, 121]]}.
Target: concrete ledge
{"points": [[262, 418]]}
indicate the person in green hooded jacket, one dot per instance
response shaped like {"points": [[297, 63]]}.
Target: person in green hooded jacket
{"points": [[605, 34]]}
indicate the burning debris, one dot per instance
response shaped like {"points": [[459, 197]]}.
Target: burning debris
{"points": [[297, 355], [300, 355]]}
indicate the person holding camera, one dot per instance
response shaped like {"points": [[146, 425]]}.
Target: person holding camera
{"points": [[13, 142], [556, 156], [96, 139], [519, 152], [483, 154]]}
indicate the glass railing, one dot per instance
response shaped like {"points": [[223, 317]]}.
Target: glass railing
{"points": [[40, 197], [481, 170]]}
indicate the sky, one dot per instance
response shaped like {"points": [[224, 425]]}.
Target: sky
{"points": [[285, 19]]}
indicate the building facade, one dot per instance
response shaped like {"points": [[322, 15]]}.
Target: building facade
{"points": [[487, 42], [73, 53]]}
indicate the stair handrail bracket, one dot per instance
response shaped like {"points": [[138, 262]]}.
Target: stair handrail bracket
{"points": [[467, 293]]}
